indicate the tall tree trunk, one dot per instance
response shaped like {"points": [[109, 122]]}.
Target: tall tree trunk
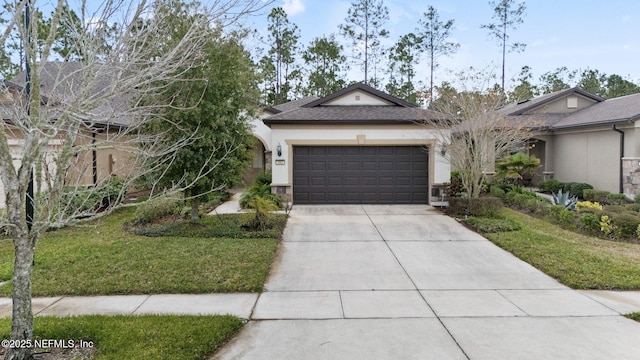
{"points": [[22, 321], [195, 214]]}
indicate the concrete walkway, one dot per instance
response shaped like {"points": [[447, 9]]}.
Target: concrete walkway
{"points": [[405, 282]]}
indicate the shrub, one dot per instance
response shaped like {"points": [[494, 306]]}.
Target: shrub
{"points": [[550, 186], [455, 186], [617, 199], [537, 206], [517, 167], [562, 216], [158, 208], [588, 205], [485, 206], [565, 199], [261, 219], [589, 194], [590, 223], [638, 231], [625, 225], [496, 191], [579, 188], [605, 225], [636, 199], [600, 196], [632, 207], [259, 190], [264, 178], [492, 225]]}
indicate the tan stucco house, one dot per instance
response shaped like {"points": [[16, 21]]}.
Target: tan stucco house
{"points": [[585, 138], [91, 165], [358, 145]]}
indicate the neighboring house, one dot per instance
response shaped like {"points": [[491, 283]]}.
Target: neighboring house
{"points": [[358, 145], [585, 138], [59, 81]]}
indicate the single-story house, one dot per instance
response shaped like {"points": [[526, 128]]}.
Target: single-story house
{"points": [[91, 165], [585, 138], [357, 145]]}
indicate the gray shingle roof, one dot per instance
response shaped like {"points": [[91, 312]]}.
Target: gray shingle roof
{"points": [[295, 104], [316, 112], [625, 108], [524, 106]]}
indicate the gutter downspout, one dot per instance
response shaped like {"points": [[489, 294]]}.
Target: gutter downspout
{"points": [[614, 128]]}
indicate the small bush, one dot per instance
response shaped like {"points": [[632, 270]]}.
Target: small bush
{"points": [[588, 194], [625, 225], [455, 186], [636, 199], [600, 196], [579, 188], [562, 216], [605, 225], [261, 219], [588, 205], [590, 223], [264, 178], [496, 191], [550, 186], [617, 199], [632, 207], [158, 208], [485, 206], [259, 190], [492, 225], [537, 206]]}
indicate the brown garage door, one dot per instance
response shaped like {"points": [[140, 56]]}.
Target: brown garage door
{"points": [[360, 175]]}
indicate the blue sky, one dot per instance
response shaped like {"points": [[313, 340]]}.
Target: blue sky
{"points": [[602, 35]]}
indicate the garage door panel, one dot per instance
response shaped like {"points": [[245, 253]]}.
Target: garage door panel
{"points": [[360, 174]]}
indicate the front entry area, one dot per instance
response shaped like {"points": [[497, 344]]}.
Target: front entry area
{"points": [[360, 175]]}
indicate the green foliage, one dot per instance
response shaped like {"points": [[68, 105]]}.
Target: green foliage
{"points": [[562, 216], [492, 225], [211, 108], [588, 205], [261, 218], [158, 208], [617, 199], [262, 191], [484, 206], [365, 24], [636, 199], [565, 199], [590, 223], [496, 191], [455, 186], [279, 71], [517, 167], [77, 201], [550, 186], [264, 178], [149, 337], [576, 188], [605, 225], [324, 66], [625, 225], [403, 59]]}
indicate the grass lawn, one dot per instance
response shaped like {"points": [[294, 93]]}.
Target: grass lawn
{"points": [[138, 337], [578, 261], [101, 258]]}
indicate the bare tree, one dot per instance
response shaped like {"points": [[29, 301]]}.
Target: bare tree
{"points": [[60, 114], [478, 132]]}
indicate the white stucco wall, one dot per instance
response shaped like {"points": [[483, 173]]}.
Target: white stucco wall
{"points": [[261, 131], [288, 136]]}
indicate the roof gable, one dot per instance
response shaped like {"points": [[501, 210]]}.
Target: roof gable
{"points": [[544, 103], [359, 94]]}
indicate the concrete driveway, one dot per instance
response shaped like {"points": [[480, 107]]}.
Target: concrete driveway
{"points": [[405, 282]]}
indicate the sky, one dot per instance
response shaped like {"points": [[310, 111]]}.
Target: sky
{"points": [[578, 34]]}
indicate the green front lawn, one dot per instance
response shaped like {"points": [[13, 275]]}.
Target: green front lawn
{"points": [[101, 258], [578, 261], [138, 337]]}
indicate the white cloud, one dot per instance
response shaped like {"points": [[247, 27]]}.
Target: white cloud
{"points": [[293, 7]]}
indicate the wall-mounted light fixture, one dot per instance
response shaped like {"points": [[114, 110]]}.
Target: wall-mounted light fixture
{"points": [[443, 149], [279, 149]]}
